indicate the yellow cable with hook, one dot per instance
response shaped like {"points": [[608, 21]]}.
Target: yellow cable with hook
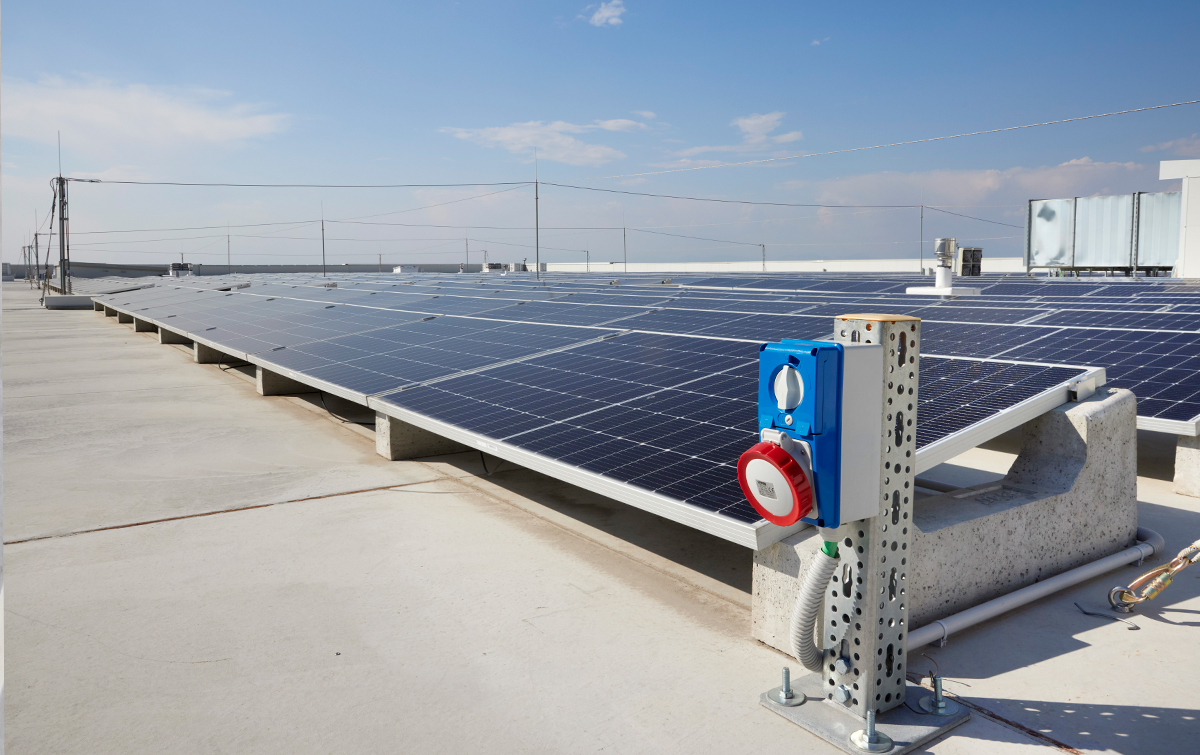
{"points": [[1154, 581]]}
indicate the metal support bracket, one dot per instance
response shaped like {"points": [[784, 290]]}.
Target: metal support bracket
{"points": [[907, 729], [866, 609], [865, 627]]}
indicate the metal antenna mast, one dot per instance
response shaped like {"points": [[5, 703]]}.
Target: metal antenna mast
{"points": [[537, 226], [64, 262], [625, 249], [921, 252], [323, 274], [36, 272]]}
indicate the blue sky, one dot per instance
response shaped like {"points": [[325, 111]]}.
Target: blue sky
{"points": [[463, 92]]}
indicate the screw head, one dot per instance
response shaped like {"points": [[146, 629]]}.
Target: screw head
{"points": [[842, 666], [841, 694]]}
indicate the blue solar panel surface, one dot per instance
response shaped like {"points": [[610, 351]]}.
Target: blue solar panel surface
{"points": [[597, 376]]}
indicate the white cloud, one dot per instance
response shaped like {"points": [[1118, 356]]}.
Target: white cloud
{"points": [[621, 124], [115, 173], [1185, 147], [685, 163], [817, 42], [608, 14], [552, 140], [97, 114], [1010, 188], [756, 135], [647, 114]]}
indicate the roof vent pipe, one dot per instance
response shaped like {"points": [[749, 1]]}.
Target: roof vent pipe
{"points": [[945, 250]]}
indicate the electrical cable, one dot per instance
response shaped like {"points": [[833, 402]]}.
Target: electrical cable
{"points": [[776, 204], [298, 186], [897, 144], [483, 462], [726, 201], [321, 396], [196, 227], [440, 204], [984, 220], [696, 238]]}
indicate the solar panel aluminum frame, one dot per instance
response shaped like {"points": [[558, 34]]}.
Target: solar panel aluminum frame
{"points": [[952, 445], [757, 536], [261, 361], [753, 535], [1172, 426]]}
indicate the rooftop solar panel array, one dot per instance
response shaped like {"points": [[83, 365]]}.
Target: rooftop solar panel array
{"points": [[646, 386]]}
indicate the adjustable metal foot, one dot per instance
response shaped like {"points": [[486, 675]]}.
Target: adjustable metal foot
{"points": [[937, 704], [784, 694], [836, 724], [870, 740]]}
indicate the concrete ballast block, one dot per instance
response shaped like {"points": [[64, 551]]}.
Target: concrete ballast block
{"points": [[208, 355], [1187, 465], [143, 326], [170, 336], [1069, 498], [396, 439], [274, 384], [122, 317], [97, 306]]}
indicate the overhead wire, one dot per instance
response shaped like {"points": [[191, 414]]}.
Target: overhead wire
{"points": [[969, 217], [518, 184], [697, 238], [775, 204], [299, 186], [895, 144], [431, 206]]}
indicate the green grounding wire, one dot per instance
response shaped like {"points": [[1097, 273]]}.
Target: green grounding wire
{"points": [[830, 549]]}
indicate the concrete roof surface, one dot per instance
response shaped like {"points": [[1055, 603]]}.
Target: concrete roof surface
{"points": [[194, 568]]}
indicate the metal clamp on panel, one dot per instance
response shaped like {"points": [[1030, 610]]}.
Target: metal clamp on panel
{"points": [[1081, 389]]}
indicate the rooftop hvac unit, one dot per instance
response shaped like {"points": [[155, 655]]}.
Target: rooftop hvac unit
{"points": [[490, 266], [515, 267], [407, 269], [179, 269], [970, 258]]}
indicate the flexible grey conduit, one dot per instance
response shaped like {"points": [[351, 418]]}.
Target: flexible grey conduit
{"points": [[808, 610]]}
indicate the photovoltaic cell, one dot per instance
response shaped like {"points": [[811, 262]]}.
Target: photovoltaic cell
{"points": [[955, 394], [614, 406], [1125, 319]]}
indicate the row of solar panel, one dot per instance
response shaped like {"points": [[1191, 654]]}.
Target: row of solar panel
{"points": [[1159, 367], [606, 401]]}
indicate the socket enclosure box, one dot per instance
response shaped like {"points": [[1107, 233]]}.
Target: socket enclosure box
{"points": [[837, 413]]}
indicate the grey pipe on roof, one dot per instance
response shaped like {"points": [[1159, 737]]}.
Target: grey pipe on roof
{"points": [[1150, 543]]}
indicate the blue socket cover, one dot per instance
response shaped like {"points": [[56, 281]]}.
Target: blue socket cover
{"points": [[814, 389]]}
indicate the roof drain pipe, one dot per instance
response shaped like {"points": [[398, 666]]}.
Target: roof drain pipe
{"points": [[808, 606], [1150, 543]]}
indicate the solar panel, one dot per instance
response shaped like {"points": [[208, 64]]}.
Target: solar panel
{"points": [[1125, 319], [374, 361], [523, 364]]}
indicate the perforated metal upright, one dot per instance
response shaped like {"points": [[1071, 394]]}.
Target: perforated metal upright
{"points": [[865, 626]]}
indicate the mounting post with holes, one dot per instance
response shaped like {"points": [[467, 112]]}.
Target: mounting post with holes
{"points": [[866, 615], [843, 444]]}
